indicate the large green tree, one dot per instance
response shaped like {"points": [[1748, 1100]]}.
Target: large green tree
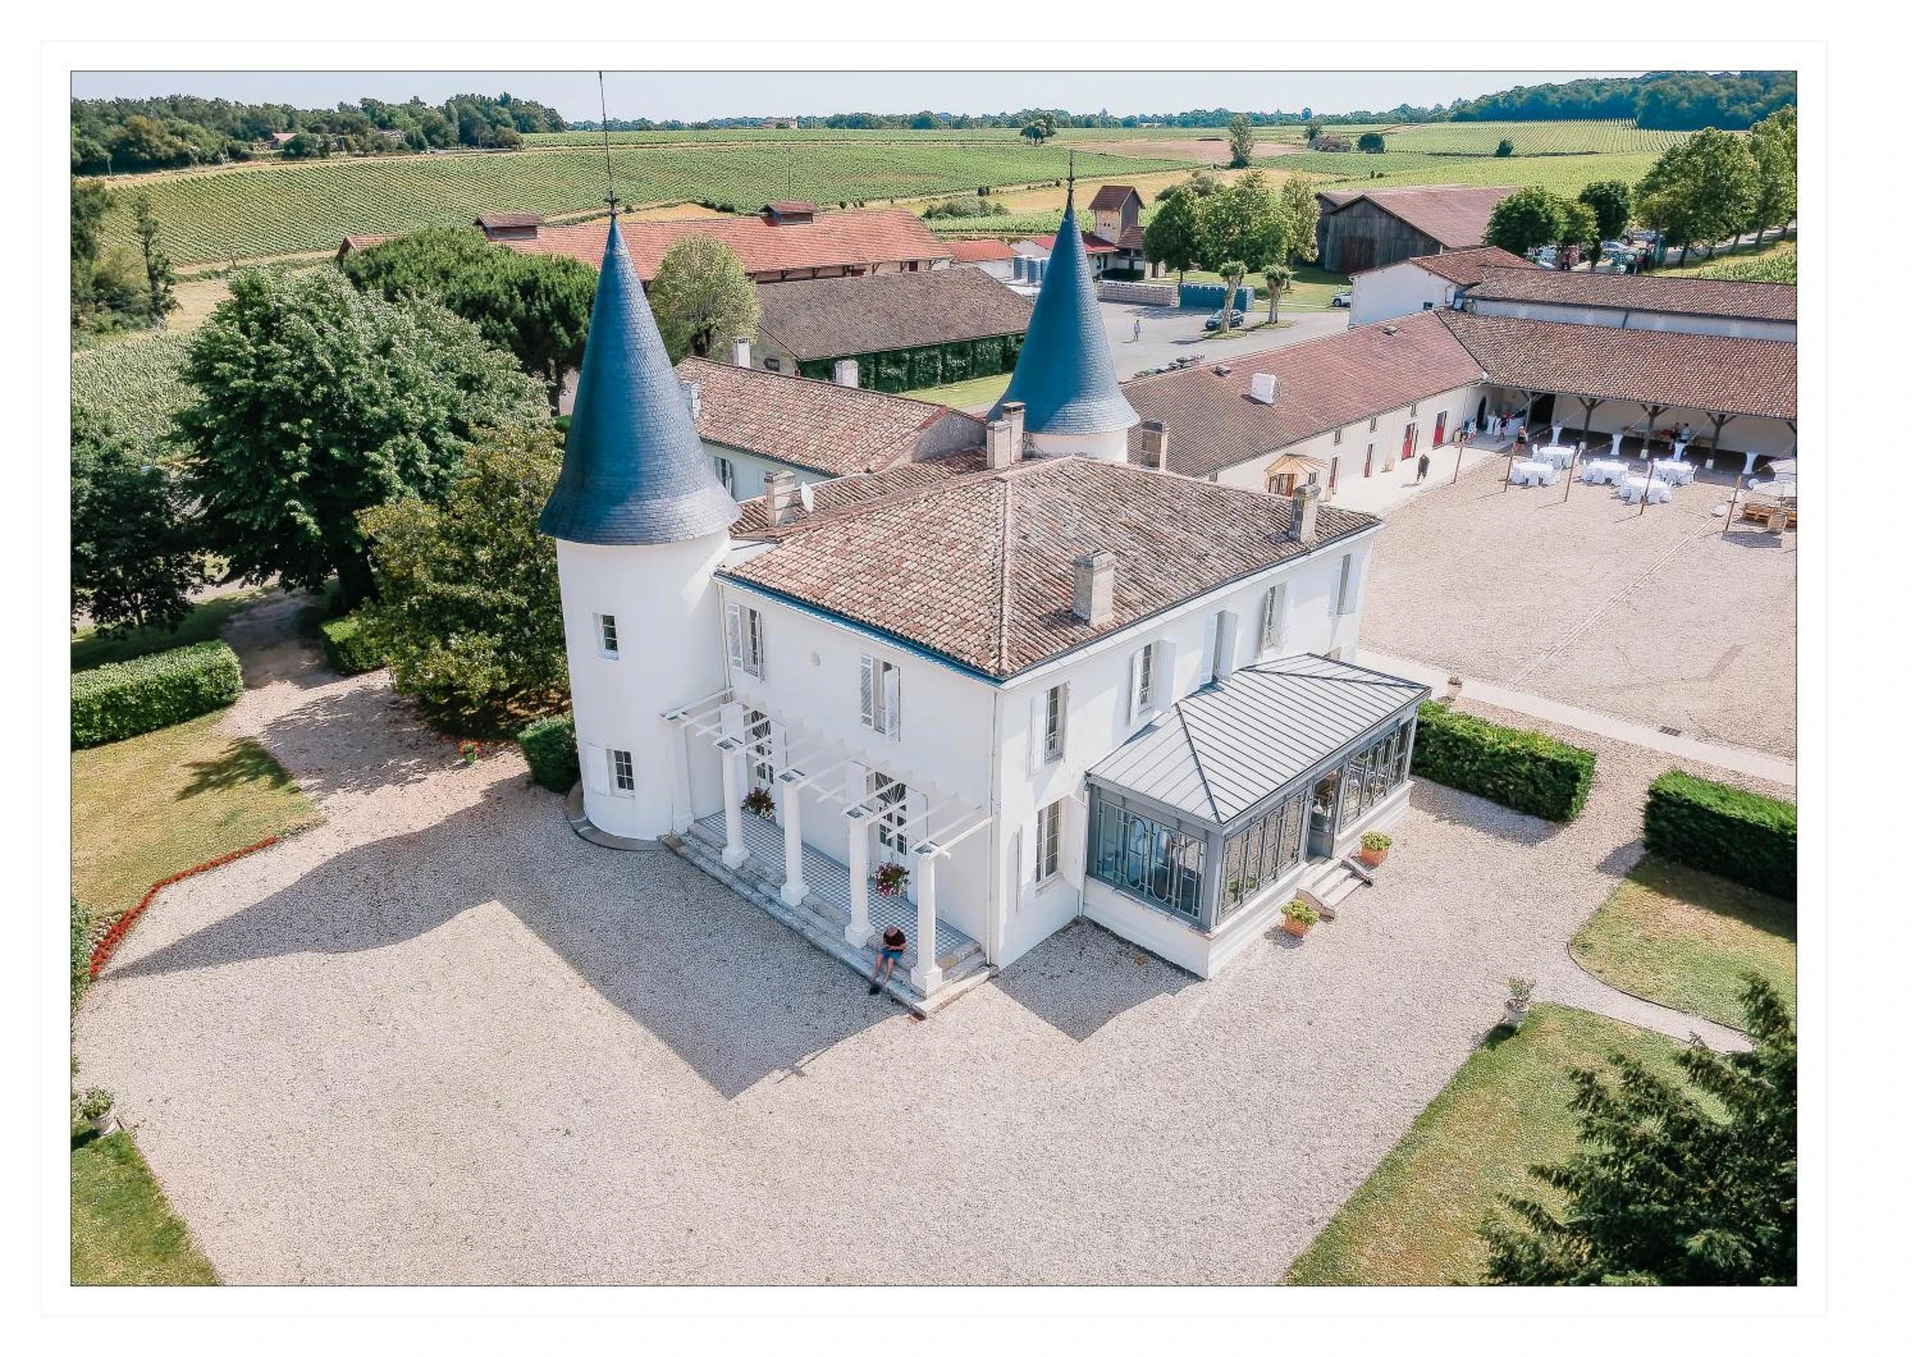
{"points": [[154, 262], [1172, 236], [312, 401], [1525, 220], [701, 296], [135, 556], [1299, 219], [1240, 141], [1578, 225], [1671, 1185], [1775, 143], [87, 209], [1243, 223], [1701, 191], [469, 615], [1612, 204], [533, 305]]}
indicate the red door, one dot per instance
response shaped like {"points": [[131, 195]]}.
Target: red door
{"points": [[1406, 441], [1440, 429], [1368, 469]]}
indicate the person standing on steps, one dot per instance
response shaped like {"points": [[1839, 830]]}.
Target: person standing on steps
{"points": [[893, 946], [1421, 474]]}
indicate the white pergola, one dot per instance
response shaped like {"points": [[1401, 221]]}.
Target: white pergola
{"points": [[720, 719]]}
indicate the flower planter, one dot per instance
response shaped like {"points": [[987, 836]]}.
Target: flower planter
{"points": [[1372, 858], [1512, 1014], [1297, 927], [103, 1125]]}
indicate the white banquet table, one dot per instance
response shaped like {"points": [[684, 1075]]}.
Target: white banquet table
{"points": [[1534, 473], [1593, 473], [1633, 487]]}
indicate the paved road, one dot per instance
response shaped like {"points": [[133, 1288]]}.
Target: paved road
{"points": [[1167, 333]]}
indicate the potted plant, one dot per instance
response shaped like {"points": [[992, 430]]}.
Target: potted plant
{"points": [[890, 879], [759, 802], [1373, 850], [1519, 999], [96, 1109], [1298, 917], [470, 752]]}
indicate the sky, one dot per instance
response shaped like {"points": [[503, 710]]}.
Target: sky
{"points": [[693, 95]]}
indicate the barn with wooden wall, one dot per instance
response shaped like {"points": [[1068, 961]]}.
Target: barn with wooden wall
{"points": [[1369, 230]]}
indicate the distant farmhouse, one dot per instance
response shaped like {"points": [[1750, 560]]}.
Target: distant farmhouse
{"points": [[991, 257], [1368, 229]]}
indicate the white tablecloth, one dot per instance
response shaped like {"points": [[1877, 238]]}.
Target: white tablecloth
{"points": [[1633, 487], [1593, 473], [1534, 473], [1674, 473], [1560, 457]]}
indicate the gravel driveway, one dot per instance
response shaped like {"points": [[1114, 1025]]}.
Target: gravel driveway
{"points": [[1653, 617], [439, 1039]]}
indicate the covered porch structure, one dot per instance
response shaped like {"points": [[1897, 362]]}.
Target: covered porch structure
{"points": [[1202, 827], [773, 770]]}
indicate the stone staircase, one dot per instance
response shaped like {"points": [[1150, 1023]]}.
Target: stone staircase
{"points": [[1336, 879]]}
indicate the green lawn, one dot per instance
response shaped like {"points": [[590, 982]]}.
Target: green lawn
{"points": [[965, 395], [1312, 290], [159, 803], [1777, 263], [1684, 938], [1412, 1222], [124, 1233], [90, 649]]}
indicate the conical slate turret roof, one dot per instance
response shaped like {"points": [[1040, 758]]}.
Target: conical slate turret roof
{"points": [[635, 473], [1065, 372]]}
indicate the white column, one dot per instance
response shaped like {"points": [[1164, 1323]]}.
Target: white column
{"points": [[795, 890], [1747, 470], [735, 854], [859, 931], [682, 774], [926, 975]]}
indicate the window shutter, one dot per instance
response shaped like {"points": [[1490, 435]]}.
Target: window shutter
{"points": [[1066, 705], [1133, 684], [866, 692], [890, 695], [1037, 740], [1269, 608], [733, 635], [1210, 646], [1282, 594], [593, 766]]}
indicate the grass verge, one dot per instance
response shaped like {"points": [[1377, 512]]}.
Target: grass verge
{"points": [[965, 395], [1412, 1223], [159, 803], [1685, 938], [90, 650], [124, 1232]]}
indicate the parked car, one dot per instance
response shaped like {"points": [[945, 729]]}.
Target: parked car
{"points": [[1214, 321], [1344, 299]]}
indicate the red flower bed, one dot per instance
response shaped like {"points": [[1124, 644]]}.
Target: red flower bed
{"points": [[109, 940]]}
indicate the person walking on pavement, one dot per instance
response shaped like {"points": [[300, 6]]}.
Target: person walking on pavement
{"points": [[1421, 474], [1136, 329]]}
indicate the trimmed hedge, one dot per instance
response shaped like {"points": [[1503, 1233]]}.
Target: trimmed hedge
{"points": [[549, 750], [1521, 769], [934, 365], [118, 701], [1737, 834], [347, 648]]}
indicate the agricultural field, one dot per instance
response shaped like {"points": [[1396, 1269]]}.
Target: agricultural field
{"points": [[134, 383], [222, 215], [1564, 174], [1530, 138]]}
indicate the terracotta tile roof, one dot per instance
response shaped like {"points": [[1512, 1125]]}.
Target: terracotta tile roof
{"points": [[1213, 422], [792, 207], [352, 243], [1113, 197], [1463, 266], [816, 426], [838, 317], [979, 251], [498, 221], [1640, 292], [979, 568], [836, 239], [1664, 367], [864, 487], [1132, 238], [1450, 213], [1094, 244]]}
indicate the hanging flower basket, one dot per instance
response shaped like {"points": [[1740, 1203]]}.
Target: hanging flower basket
{"points": [[891, 880], [759, 802]]}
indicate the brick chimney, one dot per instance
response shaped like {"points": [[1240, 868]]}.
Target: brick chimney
{"points": [[783, 497], [743, 352], [1000, 445], [1306, 512], [1153, 443], [1015, 413], [1093, 587], [846, 372]]}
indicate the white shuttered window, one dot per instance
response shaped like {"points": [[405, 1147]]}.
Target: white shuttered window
{"points": [[880, 696]]}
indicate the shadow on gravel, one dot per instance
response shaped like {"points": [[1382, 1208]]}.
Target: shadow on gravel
{"points": [[1463, 808], [1084, 977], [734, 994], [356, 738]]}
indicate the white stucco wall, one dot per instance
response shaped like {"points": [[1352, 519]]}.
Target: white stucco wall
{"points": [[750, 470], [1107, 446], [665, 612], [1354, 439], [1398, 290]]}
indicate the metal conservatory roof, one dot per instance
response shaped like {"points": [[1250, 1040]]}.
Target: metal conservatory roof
{"points": [[635, 472], [1230, 745]]}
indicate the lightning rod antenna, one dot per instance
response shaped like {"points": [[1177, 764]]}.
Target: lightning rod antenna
{"points": [[606, 142]]}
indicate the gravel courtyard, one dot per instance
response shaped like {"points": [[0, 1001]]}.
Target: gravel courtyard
{"points": [[439, 1039], [1657, 618]]}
